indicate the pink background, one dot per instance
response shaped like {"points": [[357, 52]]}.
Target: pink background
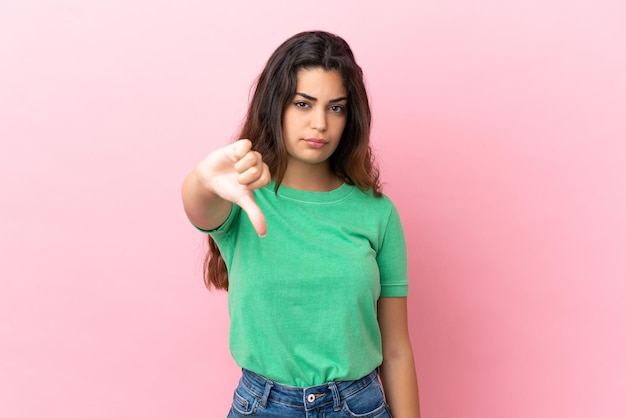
{"points": [[501, 132]]}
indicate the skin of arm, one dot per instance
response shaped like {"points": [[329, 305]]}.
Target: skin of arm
{"points": [[205, 209], [397, 372]]}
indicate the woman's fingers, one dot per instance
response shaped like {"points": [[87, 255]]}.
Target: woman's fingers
{"points": [[254, 177], [251, 169], [255, 181], [248, 160], [240, 148]]}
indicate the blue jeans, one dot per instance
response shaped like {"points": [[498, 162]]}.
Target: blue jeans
{"points": [[258, 397]]}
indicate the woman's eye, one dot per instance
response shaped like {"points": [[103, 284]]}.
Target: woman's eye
{"points": [[336, 109], [301, 105]]}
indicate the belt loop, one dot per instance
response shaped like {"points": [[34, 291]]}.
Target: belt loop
{"points": [[266, 393], [336, 396]]}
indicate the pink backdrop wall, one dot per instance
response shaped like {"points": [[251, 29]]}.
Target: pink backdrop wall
{"points": [[500, 128]]}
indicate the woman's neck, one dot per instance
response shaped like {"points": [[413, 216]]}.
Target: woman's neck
{"points": [[311, 177]]}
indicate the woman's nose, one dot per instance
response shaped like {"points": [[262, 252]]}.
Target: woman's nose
{"points": [[319, 120]]}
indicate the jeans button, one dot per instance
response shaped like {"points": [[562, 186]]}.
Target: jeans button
{"points": [[310, 398]]}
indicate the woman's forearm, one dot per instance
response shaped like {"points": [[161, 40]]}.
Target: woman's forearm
{"points": [[400, 385]]}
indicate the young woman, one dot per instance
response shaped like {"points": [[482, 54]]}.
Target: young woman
{"points": [[312, 254]]}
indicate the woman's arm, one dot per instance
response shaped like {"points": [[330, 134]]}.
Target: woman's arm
{"points": [[398, 369], [204, 208]]}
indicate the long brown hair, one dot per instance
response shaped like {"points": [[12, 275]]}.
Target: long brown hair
{"points": [[275, 88]]}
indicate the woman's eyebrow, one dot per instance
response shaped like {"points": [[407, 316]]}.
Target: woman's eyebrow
{"points": [[314, 99]]}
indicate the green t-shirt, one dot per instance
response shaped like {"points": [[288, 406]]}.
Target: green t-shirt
{"points": [[302, 300]]}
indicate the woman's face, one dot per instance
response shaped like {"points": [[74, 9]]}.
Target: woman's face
{"points": [[314, 119]]}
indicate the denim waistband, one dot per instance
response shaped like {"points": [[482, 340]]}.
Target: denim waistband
{"points": [[306, 398]]}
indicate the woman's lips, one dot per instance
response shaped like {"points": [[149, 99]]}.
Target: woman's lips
{"points": [[315, 142]]}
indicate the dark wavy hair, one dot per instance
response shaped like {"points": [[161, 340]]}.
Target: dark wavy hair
{"points": [[274, 90]]}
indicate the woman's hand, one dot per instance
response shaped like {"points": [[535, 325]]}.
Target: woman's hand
{"points": [[228, 174]]}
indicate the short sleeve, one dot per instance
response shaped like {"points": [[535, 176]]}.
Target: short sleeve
{"points": [[226, 225], [392, 259]]}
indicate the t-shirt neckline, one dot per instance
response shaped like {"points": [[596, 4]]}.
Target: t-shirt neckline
{"points": [[334, 195]]}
